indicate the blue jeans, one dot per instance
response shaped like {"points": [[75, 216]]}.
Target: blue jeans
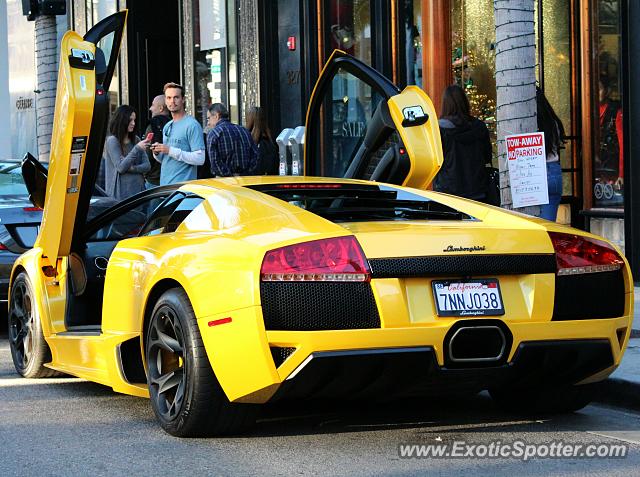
{"points": [[554, 180]]}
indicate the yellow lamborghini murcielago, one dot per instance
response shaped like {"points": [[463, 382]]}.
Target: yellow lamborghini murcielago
{"points": [[214, 296]]}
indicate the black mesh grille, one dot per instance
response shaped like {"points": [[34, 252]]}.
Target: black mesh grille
{"points": [[311, 306], [280, 354], [462, 265], [589, 296]]}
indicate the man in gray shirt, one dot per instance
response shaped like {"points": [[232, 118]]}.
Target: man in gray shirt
{"points": [[182, 150]]}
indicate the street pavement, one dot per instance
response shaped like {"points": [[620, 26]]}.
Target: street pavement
{"points": [[623, 386], [70, 427]]}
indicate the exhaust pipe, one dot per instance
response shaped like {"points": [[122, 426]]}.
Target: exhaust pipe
{"points": [[484, 343]]}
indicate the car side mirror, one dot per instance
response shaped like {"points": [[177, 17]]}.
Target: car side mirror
{"points": [[35, 178]]}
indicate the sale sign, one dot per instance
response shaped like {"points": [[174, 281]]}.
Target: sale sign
{"points": [[527, 169]]}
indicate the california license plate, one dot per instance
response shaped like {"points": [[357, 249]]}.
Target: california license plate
{"points": [[476, 297]]}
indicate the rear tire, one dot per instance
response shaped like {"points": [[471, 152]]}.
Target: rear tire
{"points": [[185, 394], [29, 350], [556, 400]]}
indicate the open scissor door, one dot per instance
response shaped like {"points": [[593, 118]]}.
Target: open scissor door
{"points": [[359, 125], [79, 129]]}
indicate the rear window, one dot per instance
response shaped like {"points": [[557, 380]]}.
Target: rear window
{"points": [[361, 202]]}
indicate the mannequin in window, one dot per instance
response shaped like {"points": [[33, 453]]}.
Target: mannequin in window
{"points": [[611, 158]]}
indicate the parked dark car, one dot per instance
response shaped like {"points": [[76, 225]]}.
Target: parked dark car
{"points": [[20, 218]]}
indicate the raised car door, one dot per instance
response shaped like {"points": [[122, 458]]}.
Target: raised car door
{"points": [[360, 125], [80, 121]]}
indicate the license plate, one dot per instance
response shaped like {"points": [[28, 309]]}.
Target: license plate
{"points": [[477, 297]]}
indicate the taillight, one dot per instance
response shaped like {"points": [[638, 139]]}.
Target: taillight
{"points": [[576, 254], [3, 246], [329, 260]]}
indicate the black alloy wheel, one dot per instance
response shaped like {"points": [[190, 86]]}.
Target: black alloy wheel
{"points": [[185, 394], [29, 350], [165, 358]]}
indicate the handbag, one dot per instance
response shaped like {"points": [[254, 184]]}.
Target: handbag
{"points": [[493, 186]]}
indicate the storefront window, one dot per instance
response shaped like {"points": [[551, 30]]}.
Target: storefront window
{"points": [[411, 41], [473, 37], [350, 110], [215, 57], [349, 28], [608, 170], [553, 48]]}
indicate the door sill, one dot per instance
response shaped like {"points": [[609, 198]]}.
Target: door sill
{"points": [[82, 330]]}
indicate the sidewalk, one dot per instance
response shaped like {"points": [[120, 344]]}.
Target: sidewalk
{"points": [[623, 386]]}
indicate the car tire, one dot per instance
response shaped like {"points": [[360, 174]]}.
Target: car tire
{"points": [[185, 394], [545, 400], [29, 350]]}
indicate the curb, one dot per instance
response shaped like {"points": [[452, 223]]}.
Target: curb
{"points": [[620, 392]]}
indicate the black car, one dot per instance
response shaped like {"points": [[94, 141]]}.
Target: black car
{"points": [[20, 218]]}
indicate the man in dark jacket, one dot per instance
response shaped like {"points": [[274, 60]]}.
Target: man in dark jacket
{"points": [[159, 117], [467, 148]]}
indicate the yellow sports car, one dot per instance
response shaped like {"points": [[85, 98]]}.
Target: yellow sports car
{"points": [[214, 296]]}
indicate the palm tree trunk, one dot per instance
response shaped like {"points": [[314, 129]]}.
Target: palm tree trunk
{"points": [[47, 73], [515, 82]]}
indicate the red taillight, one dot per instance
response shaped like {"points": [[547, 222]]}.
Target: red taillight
{"points": [[330, 260], [3, 247], [32, 209], [576, 254]]}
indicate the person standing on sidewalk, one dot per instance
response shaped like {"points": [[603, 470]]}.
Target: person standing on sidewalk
{"points": [[182, 150], [267, 151], [160, 116], [125, 155], [466, 148], [549, 123], [232, 151]]}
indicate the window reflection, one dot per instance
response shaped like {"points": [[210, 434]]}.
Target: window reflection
{"points": [[349, 26], [215, 58], [608, 173], [412, 41], [350, 109], [473, 39]]}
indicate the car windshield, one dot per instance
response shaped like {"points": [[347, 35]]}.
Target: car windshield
{"points": [[11, 181], [361, 202]]}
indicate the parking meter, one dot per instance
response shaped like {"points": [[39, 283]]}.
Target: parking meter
{"points": [[283, 150], [297, 151]]}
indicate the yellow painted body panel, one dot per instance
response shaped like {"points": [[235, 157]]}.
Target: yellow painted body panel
{"points": [[72, 119], [216, 258], [422, 142]]}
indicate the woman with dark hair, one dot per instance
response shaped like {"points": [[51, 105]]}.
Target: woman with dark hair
{"points": [[549, 123], [261, 134], [125, 155], [466, 146]]}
